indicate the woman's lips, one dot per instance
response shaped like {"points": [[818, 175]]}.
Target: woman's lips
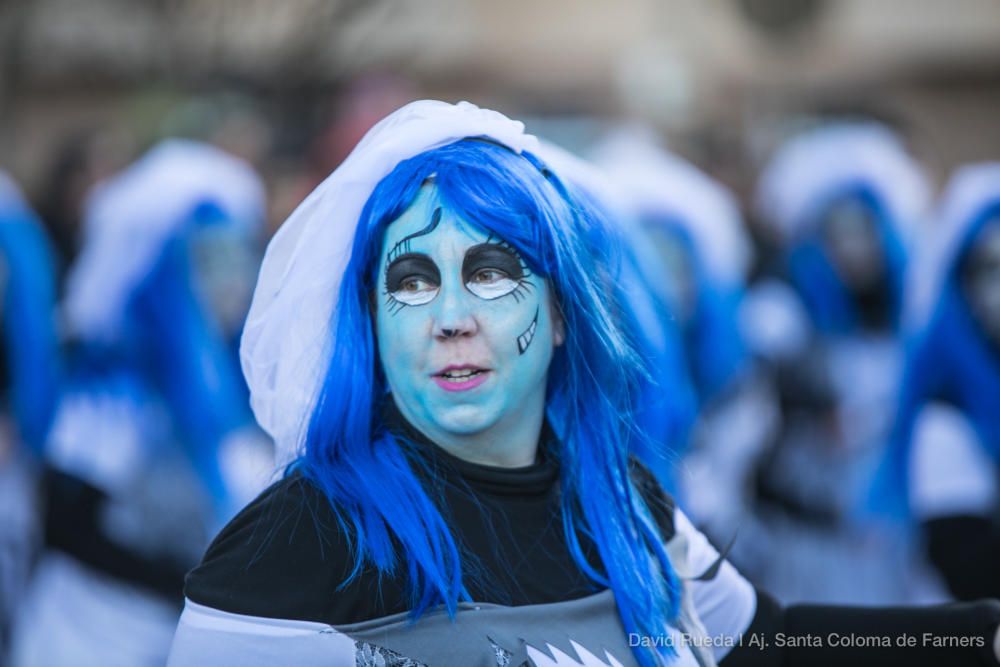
{"points": [[461, 378]]}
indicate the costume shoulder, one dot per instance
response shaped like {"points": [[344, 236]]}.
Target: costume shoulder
{"points": [[283, 556]]}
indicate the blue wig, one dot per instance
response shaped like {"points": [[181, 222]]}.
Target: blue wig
{"points": [[952, 360], [665, 404], [592, 385], [714, 348], [30, 346], [172, 346], [823, 291]]}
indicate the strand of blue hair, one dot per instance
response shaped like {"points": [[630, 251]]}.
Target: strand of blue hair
{"points": [[589, 396], [664, 403], [29, 331]]}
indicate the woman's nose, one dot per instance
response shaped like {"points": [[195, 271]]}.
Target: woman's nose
{"points": [[454, 317]]}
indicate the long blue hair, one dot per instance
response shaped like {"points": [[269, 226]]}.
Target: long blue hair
{"points": [[172, 346], [950, 359], [823, 291], [590, 395], [665, 403], [31, 351]]}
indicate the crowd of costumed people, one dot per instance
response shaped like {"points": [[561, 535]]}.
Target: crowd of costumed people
{"points": [[489, 400]]}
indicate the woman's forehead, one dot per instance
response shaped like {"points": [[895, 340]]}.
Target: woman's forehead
{"points": [[428, 224]]}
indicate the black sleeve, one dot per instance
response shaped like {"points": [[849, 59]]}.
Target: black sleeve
{"points": [[283, 556], [966, 551], [72, 525], [820, 636]]}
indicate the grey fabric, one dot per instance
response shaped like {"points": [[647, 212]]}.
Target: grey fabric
{"points": [[578, 632], [591, 622]]}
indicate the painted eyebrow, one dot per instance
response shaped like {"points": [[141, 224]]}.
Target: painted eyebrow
{"points": [[410, 264], [491, 255], [403, 245]]}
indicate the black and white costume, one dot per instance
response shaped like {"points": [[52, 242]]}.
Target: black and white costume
{"points": [[268, 591], [275, 571]]}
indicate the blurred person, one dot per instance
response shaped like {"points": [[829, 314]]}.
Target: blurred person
{"points": [[433, 345], [153, 446], [843, 199], [695, 227], [943, 470], [695, 231], [29, 387]]}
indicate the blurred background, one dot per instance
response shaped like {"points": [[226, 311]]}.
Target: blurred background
{"points": [[786, 421], [292, 85]]}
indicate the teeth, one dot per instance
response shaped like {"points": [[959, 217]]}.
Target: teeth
{"points": [[459, 375]]}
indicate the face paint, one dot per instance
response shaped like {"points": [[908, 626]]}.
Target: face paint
{"points": [[465, 330], [681, 289], [225, 271], [981, 279], [403, 245], [495, 269], [524, 340], [850, 234]]}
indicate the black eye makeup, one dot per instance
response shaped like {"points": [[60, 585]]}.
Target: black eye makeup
{"points": [[411, 279], [490, 270], [494, 269], [403, 245]]}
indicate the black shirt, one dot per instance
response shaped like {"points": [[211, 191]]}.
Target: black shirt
{"points": [[287, 554]]}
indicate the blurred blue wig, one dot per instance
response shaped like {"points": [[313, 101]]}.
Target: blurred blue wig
{"points": [[714, 347], [592, 384], [30, 346], [823, 291], [172, 346], [951, 360]]}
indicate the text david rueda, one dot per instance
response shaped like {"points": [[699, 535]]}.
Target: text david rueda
{"points": [[781, 640]]}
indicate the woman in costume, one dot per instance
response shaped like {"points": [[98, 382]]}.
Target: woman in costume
{"points": [[695, 227], [844, 199], [148, 452], [432, 343], [943, 469], [30, 373], [696, 233]]}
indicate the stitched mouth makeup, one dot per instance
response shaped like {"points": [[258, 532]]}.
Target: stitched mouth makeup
{"points": [[461, 378]]}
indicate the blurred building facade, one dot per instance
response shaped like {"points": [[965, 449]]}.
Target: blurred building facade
{"points": [[724, 69]]}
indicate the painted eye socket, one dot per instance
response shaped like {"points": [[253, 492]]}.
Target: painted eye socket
{"points": [[415, 291], [491, 270], [412, 280], [489, 283]]}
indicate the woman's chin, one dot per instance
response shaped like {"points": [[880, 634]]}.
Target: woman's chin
{"points": [[466, 420]]}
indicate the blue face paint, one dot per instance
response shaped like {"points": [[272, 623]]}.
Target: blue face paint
{"points": [[224, 266], [465, 334]]}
